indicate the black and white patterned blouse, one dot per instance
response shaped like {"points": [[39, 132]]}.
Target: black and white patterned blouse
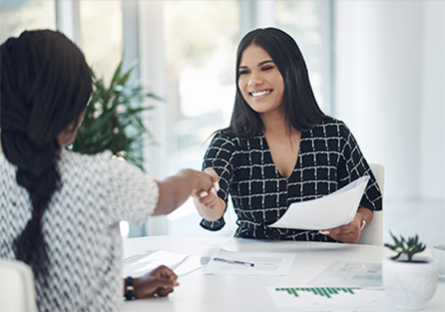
{"points": [[81, 228], [329, 158]]}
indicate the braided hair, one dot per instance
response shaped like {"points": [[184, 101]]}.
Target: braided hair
{"points": [[45, 86]]}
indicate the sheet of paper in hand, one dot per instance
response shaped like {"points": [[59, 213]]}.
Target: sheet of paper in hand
{"points": [[327, 212]]}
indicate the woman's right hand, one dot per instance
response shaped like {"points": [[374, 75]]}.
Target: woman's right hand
{"points": [[158, 282], [209, 205]]}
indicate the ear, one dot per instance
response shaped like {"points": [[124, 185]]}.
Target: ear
{"points": [[68, 135]]}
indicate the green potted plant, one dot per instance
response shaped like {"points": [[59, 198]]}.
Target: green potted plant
{"points": [[409, 279], [112, 121]]}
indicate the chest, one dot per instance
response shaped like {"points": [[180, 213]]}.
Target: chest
{"points": [[258, 161]]}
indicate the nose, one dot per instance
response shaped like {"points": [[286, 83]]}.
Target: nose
{"points": [[255, 79]]}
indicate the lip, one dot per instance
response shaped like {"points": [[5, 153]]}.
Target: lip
{"points": [[262, 93]]}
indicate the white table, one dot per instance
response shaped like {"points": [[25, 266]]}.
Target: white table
{"points": [[210, 293]]}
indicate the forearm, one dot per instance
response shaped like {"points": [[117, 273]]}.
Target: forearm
{"points": [[174, 191], [213, 211]]}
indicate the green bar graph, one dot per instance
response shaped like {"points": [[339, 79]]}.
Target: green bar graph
{"points": [[321, 291]]}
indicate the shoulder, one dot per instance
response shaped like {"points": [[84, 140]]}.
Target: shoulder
{"points": [[72, 158], [82, 165], [225, 138], [331, 127]]}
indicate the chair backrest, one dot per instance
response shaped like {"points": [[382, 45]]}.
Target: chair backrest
{"points": [[373, 234], [17, 292]]}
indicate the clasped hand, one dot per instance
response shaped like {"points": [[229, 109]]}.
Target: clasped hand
{"points": [[349, 233]]}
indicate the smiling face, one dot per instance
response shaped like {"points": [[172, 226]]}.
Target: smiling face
{"points": [[260, 81]]}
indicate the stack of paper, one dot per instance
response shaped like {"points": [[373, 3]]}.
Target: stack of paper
{"points": [[327, 212]]}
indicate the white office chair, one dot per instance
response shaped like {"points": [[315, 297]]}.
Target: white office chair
{"points": [[17, 292], [373, 234]]}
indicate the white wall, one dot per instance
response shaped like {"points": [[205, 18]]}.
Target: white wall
{"points": [[389, 60], [432, 137]]}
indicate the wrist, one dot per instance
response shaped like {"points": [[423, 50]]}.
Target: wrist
{"points": [[129, 288], [362, 220]]}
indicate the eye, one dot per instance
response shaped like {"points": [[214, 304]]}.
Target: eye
{"points": [[243, 72], [266, 68]]}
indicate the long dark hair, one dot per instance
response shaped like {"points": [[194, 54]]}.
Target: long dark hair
{"points": [[45, 85], [301, 109]]}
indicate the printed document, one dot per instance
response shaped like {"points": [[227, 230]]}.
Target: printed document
{"points": [[327, 212], [225, 262], [350, 274], [149, 260], [326, 298]]}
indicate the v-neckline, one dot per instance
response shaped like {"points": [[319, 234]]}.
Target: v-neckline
{"points": [[263, 137]]}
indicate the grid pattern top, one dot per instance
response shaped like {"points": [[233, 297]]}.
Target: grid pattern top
{"points": [[80, 228], [329, 158]]}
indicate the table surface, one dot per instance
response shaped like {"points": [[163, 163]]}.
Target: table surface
{"points": [[212, 293]]}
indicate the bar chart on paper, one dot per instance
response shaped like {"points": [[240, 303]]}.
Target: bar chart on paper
{"points": [[325, 296]]}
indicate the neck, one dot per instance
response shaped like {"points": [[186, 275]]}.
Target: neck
{"points": [[276, 124]]}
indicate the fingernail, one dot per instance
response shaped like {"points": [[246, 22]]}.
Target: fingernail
{"points": [[216, 186], [203, 194], [214, 191], [324, 232]]}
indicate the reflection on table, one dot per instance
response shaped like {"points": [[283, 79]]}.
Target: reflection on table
{"points": [[198, 292]]}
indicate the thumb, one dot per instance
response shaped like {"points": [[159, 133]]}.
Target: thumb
{"points": [[214, 176], [165, 282]]}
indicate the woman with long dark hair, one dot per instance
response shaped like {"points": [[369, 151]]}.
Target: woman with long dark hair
{"points": [[280, 148], [59, 210]]}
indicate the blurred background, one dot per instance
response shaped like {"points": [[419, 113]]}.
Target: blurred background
{"points": [[377, 65]]}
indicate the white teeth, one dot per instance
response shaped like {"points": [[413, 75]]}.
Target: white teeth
{"points": [[260, 93]]}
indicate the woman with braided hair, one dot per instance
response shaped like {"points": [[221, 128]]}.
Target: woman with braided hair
{"points": [[59, 210]]}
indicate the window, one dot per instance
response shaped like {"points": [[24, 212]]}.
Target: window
{"points": [[101, 33], [309, 23], [19, 15], [200, 39]]}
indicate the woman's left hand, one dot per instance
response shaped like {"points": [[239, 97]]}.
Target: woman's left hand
{"points": [[349, 233]]}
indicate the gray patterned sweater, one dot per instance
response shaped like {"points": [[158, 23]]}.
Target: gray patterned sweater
{"points": [[81, 228]]}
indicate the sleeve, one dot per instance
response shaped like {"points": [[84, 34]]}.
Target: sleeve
{"points": [[132, 195], [220, 156], [353, 165]]}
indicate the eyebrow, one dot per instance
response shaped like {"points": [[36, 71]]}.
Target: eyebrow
{"points": [[260, 64]]}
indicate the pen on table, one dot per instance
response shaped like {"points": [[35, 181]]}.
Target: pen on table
{"points": [[234, 261]]}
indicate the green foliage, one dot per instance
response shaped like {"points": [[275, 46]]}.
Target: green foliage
{"points": [[111, 122], [408, 247]]}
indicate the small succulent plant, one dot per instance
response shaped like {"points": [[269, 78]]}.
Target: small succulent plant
{"points": [[406, 247]]}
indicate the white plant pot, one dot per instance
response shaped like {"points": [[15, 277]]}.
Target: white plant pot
{"points": [[410, 285]]}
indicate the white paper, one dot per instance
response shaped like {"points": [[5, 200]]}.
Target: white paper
{"points": [[147, 261], [264, 263], [327, 212], [325, 297], [350, 274]]}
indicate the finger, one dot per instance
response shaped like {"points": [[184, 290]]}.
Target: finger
{"points": [[166, 272], [164, 291], [214, 176]]}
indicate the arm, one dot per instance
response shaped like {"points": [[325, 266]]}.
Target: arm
{"points": [[353, 165], [175, 190], [159, 282], [219, 158], [209, 205]]}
